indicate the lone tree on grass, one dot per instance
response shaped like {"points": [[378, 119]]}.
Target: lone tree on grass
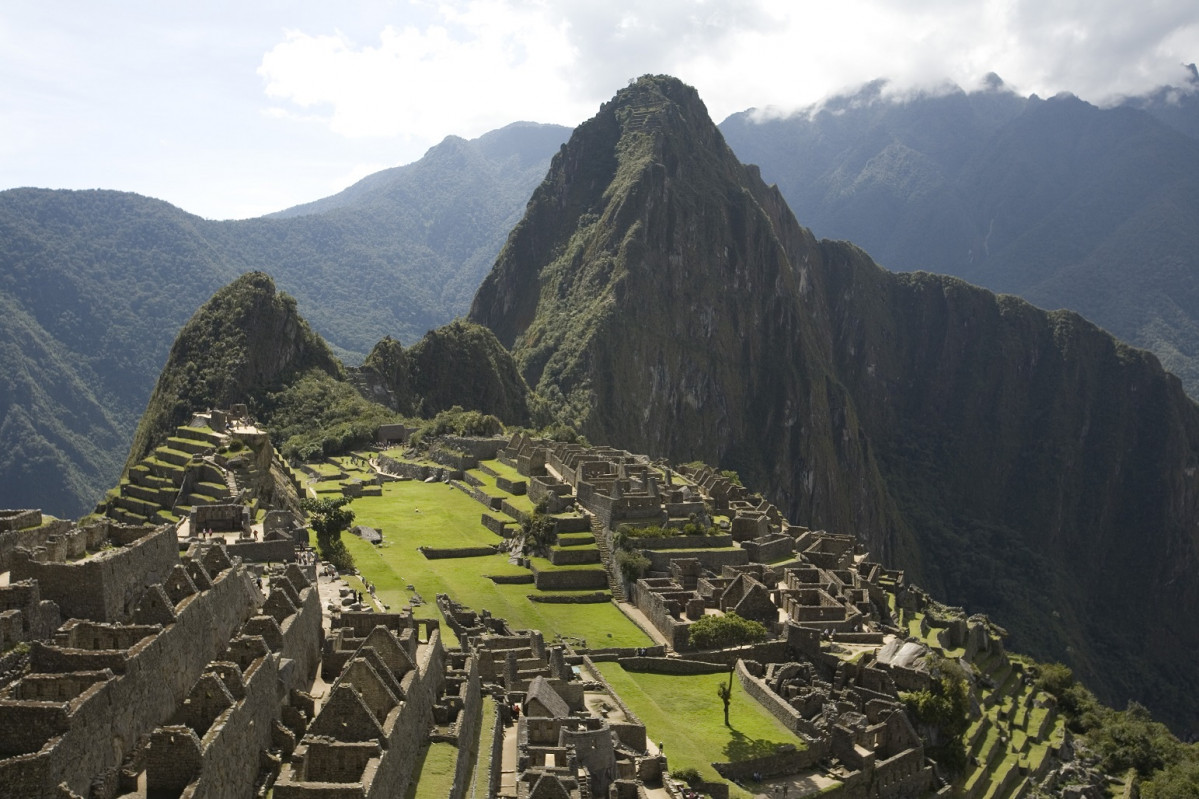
{"points": [[725, 692]]}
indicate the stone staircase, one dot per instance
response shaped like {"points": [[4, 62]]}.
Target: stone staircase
{"points": [[615, 582]]}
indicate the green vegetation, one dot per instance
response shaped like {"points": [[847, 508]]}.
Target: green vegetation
{"points": [[685, 714], [1125, 739], [318, 415], [96, 284], [633, 565], [627, 531], [716, 632], [413, 514], [433, 775], [942, 715], [329, 518], [538, 532]]}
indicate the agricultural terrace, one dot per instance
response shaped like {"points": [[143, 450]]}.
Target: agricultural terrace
{"points": [[413, 514]]}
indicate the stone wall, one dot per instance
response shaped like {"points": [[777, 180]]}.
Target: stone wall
{"points": [[712, 559], [570, 579], [461, 552], [780, 764], [230, 747], [484, 449], [155, 680], [498, 525], [665, 665], [514, 487], [382, 765], [115, 578], [19, 519], [417, 471], [263, 551], [774, 704], [632, 717], [478, 495], [660, 611], [29, 538], [453, 458], [574, 556], [770, 549], [496, 774], [470, 718], [573, 524], [221, 518], [556, 495], [302, 634]]}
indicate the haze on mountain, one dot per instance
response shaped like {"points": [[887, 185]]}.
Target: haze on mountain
{"points": [[1020, 462], [95, 285], [1055, 200]]}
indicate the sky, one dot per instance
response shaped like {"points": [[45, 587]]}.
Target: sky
{"points": [[236, 109]]}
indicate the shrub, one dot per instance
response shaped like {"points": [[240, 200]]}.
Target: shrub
{"points": [[633, 565]]}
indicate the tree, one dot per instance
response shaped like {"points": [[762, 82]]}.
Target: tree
{"points": [[329, 518], [538, 532], [725, 692], [718, 632]]}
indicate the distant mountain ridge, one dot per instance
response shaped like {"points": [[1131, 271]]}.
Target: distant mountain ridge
{"points": [[95, 285], [665, 299], [1062, 203]]}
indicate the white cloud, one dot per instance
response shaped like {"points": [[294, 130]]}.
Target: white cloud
{"points": [[230, 105], [480, 67]]}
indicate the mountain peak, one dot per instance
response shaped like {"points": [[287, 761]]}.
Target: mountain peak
{"points": [[246, 339], [579, 236]]}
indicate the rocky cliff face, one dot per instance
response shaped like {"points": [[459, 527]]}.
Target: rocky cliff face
{"points": [[666, 300]]}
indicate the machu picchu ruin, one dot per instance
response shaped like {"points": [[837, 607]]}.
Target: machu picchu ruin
{"points": [[212, 653]]}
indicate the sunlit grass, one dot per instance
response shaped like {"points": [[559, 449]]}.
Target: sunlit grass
{"points": [[685, 714], [412, 514], [434, 774]]}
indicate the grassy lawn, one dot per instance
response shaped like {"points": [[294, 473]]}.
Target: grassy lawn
{"points": [[504, 470], [449, 518], [434, 773], [685, 714]]}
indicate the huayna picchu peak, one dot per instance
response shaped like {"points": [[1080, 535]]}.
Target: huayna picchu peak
{"points": [[1014, 460]]}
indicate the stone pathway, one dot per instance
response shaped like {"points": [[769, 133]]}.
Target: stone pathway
{"points": [[508, 763]]}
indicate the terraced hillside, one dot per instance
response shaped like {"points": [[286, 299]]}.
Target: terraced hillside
{"points": [[200, 465]]}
